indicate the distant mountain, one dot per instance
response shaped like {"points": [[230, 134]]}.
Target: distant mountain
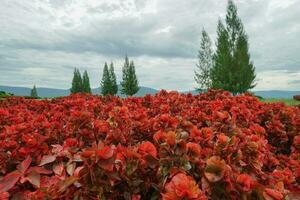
{"points": [[42, 92], [142, 92], [51, 92], [278, 94]]}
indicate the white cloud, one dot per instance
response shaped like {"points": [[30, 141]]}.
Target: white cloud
{"points": [[278, 80], [163, 30]]}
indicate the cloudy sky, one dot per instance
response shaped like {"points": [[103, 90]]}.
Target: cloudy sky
{"points": [[41, 41]]}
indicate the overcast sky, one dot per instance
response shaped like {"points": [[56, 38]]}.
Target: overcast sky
{"points": [[41, 41]]}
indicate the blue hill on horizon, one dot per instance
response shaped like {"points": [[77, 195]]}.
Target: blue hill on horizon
{"points": [[53, 92]]}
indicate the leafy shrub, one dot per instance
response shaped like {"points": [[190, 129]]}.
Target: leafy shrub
{"points": [[4, 94], [168, 146], [297, 97], [30, 97]]}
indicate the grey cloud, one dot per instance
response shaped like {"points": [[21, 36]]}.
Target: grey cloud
{"points": [[162, 36]]}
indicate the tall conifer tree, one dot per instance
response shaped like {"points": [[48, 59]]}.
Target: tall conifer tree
{"points": [[80, 83], [106, 82], [205, 63], [130, 82], [113, 79], [33, 92], [221, 71], [233, 70], [77, 85], [86, 83]]}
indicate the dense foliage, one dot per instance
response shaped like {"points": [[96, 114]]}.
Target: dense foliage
{"points": [[168, 146]]}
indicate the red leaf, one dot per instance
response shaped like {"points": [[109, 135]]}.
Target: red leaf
{"points": [[58, 169], [56, 148], [136, 197], [39, 170], [245, 181], [4, 196], [77, 171], [34, 178], [105, 153], [193, 148], [182, 187], [215, 169], [47, 159], [87, 153], [276, 195], [23, 166], [148, 148], [9, 181]]}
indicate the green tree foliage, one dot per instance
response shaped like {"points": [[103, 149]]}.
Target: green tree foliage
{"points": [[113, 80], [77, 85], [86, 83], [245, 80], [33, 92], [106, 84], [130, 82], [205, 63], [233, 70], [3, 94], [221, 71]]}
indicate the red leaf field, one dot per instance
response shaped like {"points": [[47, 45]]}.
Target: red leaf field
{"points": [[169, 146]]}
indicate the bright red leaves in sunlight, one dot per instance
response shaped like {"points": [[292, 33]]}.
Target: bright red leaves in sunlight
{"points": [[167, 146], [148, 148], [180, 187], [246, 182]]}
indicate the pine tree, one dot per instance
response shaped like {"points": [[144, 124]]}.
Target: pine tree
{"points": [[113, 80], [125, 75], [77, 85], [205, 63], [233, 70], [130, 82], [86, 83], [80, 83], [33, 92], [221, 71], [134, 81], [246, 76], [106, 82]]}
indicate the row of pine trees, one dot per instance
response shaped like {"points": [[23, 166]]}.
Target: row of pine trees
{"points": [[108, 85], [228, 67], [80, 84]]}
